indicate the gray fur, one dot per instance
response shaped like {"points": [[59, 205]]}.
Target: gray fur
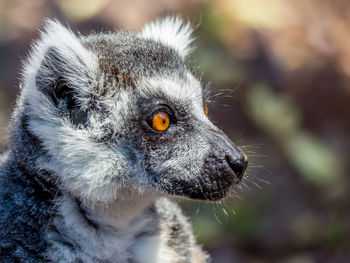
{"points": [[86, 174]]}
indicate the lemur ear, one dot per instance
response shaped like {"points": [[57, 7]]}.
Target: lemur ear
{"points": [[58, 55], [170, 31]]}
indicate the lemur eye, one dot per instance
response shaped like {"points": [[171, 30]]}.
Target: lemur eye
{"points": [[206, 110], [160, 121]]}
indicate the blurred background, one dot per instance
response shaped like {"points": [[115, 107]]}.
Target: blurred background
{"points": [[279, 75]]}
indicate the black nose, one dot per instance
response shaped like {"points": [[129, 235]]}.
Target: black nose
{"points": [[238, 165]]}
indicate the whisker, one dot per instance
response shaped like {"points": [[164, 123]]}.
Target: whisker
{"points": [[257, 155], [216, 217], [256, 146], [254, 183], [224, 210], [262, 180], [244, 184]]}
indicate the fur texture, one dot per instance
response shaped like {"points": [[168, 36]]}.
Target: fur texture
{"points": [[86, 174]]}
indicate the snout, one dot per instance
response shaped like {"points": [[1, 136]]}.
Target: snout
{"points": [[212, 176], [224, 167]]}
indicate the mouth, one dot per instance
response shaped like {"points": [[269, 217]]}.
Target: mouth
{"points": [[210, 196], [203, 189]]}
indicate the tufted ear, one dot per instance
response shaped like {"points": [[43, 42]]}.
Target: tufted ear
{"points": [[170, 31], [58, 54]]}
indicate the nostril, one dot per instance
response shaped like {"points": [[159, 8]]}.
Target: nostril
{"points": [[238, 166]]}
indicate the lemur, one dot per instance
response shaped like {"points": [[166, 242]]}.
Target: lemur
{"points": [[106, 129]]}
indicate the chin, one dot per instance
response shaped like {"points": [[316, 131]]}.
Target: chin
{"points": [[199, 190]]}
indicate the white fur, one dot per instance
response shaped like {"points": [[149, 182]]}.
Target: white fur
{"points": [[114, 239], [158, 245], [109, 242], [57, 36], [88, 169], [172, 32]]}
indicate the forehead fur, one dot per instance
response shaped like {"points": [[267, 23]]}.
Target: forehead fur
{"points": [[125, 53]]}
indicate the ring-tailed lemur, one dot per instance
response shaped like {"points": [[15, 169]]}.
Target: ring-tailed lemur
{"points": [[107, 126]]}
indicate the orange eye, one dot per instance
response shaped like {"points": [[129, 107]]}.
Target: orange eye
{"points": [[160, 121], [206, 110]]}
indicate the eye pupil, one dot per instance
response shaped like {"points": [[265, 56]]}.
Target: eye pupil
{"points": [[160, 121]]}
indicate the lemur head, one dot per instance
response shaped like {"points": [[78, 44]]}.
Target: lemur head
{"points": [[120, 111]]}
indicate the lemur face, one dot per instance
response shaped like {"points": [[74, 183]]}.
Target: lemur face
{"points": [[188, 156], [122, 111]]}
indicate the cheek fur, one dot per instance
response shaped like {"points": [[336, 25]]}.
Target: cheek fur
{"points": [[88, 168]]}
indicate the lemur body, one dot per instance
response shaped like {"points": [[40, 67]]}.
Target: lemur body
{"points": [[90, 166]]}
